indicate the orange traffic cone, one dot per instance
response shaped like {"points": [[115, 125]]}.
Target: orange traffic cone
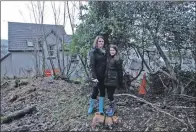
{"points": [[142, 88]]}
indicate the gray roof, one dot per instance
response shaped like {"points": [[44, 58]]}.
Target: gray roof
{"points": [[20, 33]]}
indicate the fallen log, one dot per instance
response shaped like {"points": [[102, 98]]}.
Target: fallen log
{"points": [[153, 106], [18, 114]]}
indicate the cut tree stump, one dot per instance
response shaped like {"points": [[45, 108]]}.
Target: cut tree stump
{"points": [[18, 114]]}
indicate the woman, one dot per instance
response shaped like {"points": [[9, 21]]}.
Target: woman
{"points": [[113, 76], [98, 60]]}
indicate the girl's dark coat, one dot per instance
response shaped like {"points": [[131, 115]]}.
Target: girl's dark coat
{"points": [[114, 72]]}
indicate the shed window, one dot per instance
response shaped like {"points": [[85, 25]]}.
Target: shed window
{"points": [[51, 50], [29, 43]]}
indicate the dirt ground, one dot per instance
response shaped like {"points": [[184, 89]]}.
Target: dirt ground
{"points": [[62, 106]]}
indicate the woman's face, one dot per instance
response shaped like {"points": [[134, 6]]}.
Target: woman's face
{"points": [[112, 51], [100, 43]]}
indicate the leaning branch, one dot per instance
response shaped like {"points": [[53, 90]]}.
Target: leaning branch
{"points": [[158, 109]]}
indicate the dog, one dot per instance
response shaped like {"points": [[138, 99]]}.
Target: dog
{"points": [[98, 118]]}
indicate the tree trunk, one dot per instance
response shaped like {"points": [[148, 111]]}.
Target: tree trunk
{"points": [[58, 57], [44, 60], [62, 44], [50, 59], [56, 19], [142, 57], [53, 67], [68, 65], [36, 60], [195, 60], [194, 53], [71, 23], [169, 67], [180, 57], [42, 45]]}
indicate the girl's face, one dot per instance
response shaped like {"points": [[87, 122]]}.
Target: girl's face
{"points": [[100, 43], [112, 51]]}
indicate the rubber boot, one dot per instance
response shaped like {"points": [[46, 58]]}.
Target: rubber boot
{"points": [[112, 108], [91, 107], [101, 104]]}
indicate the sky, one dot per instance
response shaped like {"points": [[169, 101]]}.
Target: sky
{"points": [[21, 11]]}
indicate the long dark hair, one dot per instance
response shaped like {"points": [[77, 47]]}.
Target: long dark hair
{"points": [[116, 56]]}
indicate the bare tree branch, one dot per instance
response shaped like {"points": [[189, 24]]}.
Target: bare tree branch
{"points": [[71, 23], [62, 45], [153, 106], [34, 14]]}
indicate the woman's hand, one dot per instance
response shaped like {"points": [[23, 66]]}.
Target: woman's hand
{"points": [[95, 80]]}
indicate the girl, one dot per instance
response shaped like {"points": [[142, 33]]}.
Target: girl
{"points": [[98, 60], [113, 76]]}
